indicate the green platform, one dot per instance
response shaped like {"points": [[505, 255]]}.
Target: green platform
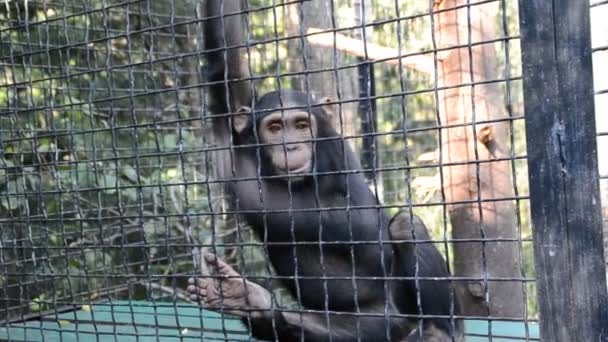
{"points": [[145, 321]]}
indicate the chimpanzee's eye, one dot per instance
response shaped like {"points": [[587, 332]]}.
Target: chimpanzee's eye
{"points": [[302, 124], [275, 128]]}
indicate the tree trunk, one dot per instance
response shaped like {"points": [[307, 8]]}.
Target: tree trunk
{"points": [[473, 183], [367, 103], [341, 85]]}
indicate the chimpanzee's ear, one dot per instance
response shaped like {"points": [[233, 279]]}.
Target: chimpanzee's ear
{"points": [[241, 119], [328, 106]]}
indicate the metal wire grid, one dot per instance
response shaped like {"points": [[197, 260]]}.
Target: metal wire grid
{"points": [[600, 52], [74, 229], [94, 210]]}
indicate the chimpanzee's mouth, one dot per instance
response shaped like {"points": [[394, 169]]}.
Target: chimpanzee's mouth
{"points": [[302, 169], [297, 169]]}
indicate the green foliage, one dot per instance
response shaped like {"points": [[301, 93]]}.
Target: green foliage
{"points": [[101, 174], [104, 162]]}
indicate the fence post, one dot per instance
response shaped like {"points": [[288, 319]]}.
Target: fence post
{"points": [[563, 170]]}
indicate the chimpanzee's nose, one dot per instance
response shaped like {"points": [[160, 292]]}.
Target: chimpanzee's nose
{"points": [[291, 147]]}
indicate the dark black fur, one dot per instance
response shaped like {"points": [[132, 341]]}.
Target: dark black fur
{"points": [[353, 261]]}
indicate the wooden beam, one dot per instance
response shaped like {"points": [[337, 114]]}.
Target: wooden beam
{"points": [[563, 170]]}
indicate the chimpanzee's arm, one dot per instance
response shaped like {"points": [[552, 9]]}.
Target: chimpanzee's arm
{"points": [[228, 292], [223, 39]]}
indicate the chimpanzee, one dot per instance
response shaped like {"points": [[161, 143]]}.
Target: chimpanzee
{"points": [[297, 183]]}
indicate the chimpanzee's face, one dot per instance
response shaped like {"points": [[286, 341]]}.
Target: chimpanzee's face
{"points": [[290, 133]]}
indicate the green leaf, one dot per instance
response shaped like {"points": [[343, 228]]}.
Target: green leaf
{"points": [[75, 263], [109, 183], [170, 140], [44, 145], [129, 172]]}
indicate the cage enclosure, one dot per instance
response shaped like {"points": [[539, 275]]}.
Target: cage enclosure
{"points": [[415, 169]]}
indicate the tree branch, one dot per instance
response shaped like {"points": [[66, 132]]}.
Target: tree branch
{"points": [[357, 47]]}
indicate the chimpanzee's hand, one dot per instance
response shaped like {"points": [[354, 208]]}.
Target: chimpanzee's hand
{"points": [[227, 291]]}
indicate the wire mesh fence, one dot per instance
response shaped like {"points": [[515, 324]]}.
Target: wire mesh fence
{"points": [[123, 165], [600, 48]]}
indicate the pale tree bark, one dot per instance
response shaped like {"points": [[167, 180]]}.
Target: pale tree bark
{"points": [[474, 183]]}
